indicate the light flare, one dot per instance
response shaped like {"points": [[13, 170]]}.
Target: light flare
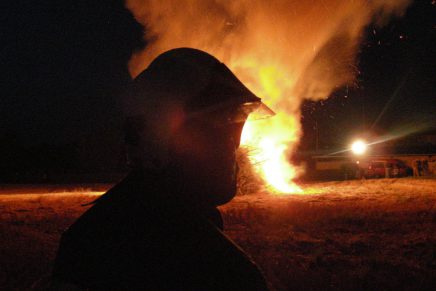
{"points": [[359, 147]]}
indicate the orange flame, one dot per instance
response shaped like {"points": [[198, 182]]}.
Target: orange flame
{"points": [[270, 140], [269, 151], [284, 51]]}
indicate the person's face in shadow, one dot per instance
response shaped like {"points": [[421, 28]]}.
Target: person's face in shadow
{"points": [[204, 152]]}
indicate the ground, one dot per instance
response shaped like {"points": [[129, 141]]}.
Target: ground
{"points": [[352, 235]]}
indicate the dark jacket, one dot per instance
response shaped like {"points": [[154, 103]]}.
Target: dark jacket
{"points": [[139, 235]]}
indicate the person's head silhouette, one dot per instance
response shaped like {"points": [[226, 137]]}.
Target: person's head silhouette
{"points": [[185, 114], [159, 228]]}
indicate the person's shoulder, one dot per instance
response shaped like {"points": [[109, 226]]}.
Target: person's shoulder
{"points": [[118, 206]]}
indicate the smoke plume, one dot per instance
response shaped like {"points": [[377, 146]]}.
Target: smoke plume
{"points": [[284, 51], [308, 46]]}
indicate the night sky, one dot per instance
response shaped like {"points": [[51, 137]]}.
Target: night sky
{"points": [[64, 66], [395, 89]]}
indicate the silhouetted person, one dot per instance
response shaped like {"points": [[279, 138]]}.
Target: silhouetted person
{"points": [[425, 167], [419, 167], [159, 229]]}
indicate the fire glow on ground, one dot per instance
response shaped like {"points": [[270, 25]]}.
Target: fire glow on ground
{"points": [[364, 235]]}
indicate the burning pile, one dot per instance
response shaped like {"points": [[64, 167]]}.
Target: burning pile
{"points": [[284, 51]]}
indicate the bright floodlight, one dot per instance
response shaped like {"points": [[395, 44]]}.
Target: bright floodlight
{"points": [[358, 147]]}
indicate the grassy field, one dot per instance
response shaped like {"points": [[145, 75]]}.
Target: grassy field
{"points": [[352, 235]]}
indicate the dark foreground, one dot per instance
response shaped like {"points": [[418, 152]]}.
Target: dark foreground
{"points": [[356, 235]]}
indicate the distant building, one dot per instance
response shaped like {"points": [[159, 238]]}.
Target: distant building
{"points": [[417, 152]]}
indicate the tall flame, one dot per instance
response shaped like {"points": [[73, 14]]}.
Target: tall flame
{"points": [[269, 154], [284, 51], [272, 139]]}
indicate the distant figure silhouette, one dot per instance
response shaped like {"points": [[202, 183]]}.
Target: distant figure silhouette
{"points": [[419, 167], [159, 229]]}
